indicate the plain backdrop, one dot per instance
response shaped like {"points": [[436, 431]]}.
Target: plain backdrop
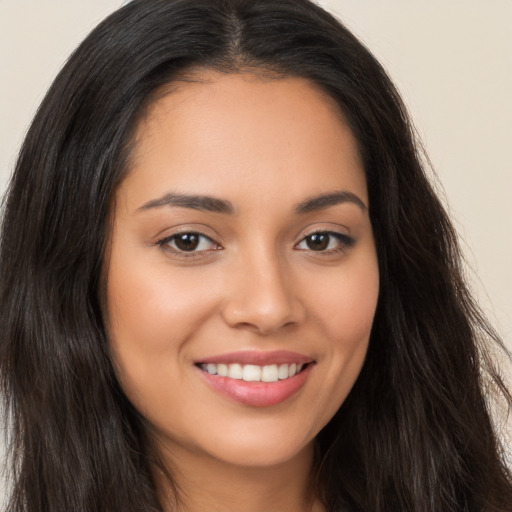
{"points": [[451, 60]]}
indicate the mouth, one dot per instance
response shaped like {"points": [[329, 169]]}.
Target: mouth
{"points": [[257, 379], [254, 373]]}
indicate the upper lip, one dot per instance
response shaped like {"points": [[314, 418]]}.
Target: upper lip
{"points": [[259, 358]]}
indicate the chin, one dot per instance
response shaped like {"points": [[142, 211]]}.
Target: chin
{"points": [[261, 450]]}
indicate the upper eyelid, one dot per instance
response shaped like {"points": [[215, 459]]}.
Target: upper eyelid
{"points": [[175, 231], [167, 239], [323, 227], [342, 237], [327, 231]]}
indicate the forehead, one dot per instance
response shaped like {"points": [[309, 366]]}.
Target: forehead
{"points": [[214, 128]]}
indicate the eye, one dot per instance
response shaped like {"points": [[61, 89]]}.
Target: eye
{"points": [[188, 243], [326, 241]]}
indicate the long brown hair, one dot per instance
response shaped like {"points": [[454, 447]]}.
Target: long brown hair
{"points": [[415, 433]]}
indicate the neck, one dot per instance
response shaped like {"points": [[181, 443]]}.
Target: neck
{"points": [[204, 484]]}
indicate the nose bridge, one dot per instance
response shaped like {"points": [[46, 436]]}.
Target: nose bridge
{"points": [[261, 295]]}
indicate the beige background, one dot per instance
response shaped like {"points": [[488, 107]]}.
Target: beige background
{"points": [[451, 59]]}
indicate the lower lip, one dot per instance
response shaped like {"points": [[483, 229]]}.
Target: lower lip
{"points": [[258, 394]]}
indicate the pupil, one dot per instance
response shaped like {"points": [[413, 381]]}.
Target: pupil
{"points": [[318, 242], [187, 242]]}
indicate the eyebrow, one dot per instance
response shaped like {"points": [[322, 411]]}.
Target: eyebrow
{"points": [[195, 202], [216, 205], [327, 200]]}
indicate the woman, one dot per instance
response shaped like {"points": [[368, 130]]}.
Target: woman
{"points": [[226, 283]]}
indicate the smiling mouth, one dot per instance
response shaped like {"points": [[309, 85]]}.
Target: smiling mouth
{"points": [[254, 373], [257, 378]]}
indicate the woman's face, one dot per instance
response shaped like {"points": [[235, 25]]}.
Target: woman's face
{"points": [[242, 280]]}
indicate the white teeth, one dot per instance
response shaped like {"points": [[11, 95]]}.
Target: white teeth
{"points": [[252, 372], [283, 372], [270, 373], [222, 370], [235, 371]]}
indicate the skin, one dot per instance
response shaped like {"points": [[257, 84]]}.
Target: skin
{"points": [[264, 145]]}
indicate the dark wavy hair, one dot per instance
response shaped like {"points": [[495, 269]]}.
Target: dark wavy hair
{"points": [[415, 433]]}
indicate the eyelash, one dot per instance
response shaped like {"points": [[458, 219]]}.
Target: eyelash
{"points": [[345, 242]]}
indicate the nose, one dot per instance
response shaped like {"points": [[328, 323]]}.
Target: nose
{"points": [[263, 297]]}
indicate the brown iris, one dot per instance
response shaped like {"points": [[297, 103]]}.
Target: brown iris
{"points": [[187, 241], [318, 241]]}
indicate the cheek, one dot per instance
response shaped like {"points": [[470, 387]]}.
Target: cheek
{"points": [[148, 302], [346, 310], [152, 313], [348, 302]]}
